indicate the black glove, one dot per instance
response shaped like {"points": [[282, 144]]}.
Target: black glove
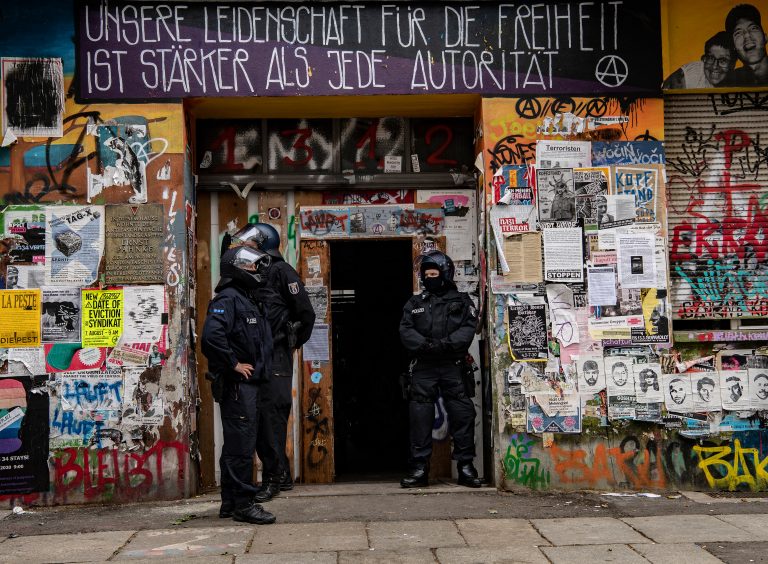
{"points": [[431, 346]]}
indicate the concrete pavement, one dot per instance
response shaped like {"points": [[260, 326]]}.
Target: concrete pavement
{"points": [[581, 527]]}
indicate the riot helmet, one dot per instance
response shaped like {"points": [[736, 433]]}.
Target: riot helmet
{"points": [[262, 235], [245, 265], [437, 260]]}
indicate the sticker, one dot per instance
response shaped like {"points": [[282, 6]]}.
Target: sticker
{"points": [[316, 377], [316, 364], [415, 165], [274, 214], [393, 163]]}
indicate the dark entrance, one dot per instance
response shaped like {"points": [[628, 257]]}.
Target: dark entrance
{"points": [[370, 283]]}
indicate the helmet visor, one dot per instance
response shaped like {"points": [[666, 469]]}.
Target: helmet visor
{"points": [[248, 234], [250, 259]]}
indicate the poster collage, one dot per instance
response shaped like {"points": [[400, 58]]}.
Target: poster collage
{"points": [[80, 359], [582, 298]]}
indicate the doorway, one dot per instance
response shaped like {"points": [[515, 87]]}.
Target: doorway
{"points": [[370, 283]]}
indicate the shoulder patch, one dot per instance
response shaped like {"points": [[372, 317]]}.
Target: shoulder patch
{"points": [[418, 310], [293, 288], [216, 310]]}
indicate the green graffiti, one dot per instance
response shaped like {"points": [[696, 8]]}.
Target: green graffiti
{"points": [[522, 469]]}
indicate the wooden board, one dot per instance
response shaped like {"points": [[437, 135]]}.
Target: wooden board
{"points": [[317, 456]]}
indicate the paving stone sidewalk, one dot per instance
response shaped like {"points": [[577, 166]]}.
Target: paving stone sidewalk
{"points": [[659, 539]]}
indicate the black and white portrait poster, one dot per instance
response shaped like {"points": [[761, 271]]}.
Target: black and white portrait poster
{"points": [[144, 314], [528, 331], [734, 390], [678, 395], [758, 387], [557, 198], [648, 383], [618, 370], [23, 435], [705, 387], [591, 373], [61, 315]]}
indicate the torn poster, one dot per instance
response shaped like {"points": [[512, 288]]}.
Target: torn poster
{"points": [[636, 260], [144, 308], [143, 402], [124, 152], [591, 373], [63, 357], [74, 243], [25, 227], [20, 318], [521, 259], [527, 332], [563, 154], [91, 392], [23, 436], [648, 383], [81, 428], [563, 251], [26, 362], [24, 276], [102, 319], [460, 225], [318, 296], [557, 200], [678, 395], [705, 387], [537, 421], [33, 97], [562, 314], [643, 185], [510, 184], [61, 319], [556, 404], [601, 285]]}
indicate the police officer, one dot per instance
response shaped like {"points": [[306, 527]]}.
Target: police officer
{"points": [[437, 328], [291, 318], [237, 341]]}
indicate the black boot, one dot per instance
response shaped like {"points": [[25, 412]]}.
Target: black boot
{"points": [[226, 509], [254, 514], [286, 481], [270, 488], [468, 475], [418, 476]]}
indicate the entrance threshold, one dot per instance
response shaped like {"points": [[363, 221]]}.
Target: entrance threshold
{"points": [[379, 488]]}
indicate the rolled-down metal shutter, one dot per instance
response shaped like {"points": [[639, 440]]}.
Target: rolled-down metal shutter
{"points": [[717, 183]]}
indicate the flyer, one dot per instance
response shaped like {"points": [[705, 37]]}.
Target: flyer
{"points": [[563, 154], [527, 332], [20, 318], [537, 421], [74, 243], [643, 184], [591, 372], [460, 225], [678, 396], [591, 188], [621, 387], [144, 308], [758, 388], [61, 318], [648, 383], [705, 387], [102, 319], [562, 314], [601, 285], [143, 402], [734, 390], [25, 227], [636, 260], [24, 276], [563, 251]]}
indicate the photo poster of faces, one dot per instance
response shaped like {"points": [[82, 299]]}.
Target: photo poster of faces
{"points": [[591, 374], [723, 46], [622, 399]]}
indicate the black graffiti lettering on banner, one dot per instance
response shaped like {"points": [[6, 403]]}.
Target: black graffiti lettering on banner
{"points": [[146, 50]]}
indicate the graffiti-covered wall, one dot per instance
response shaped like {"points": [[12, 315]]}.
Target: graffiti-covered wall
{"points": [[93, 265]]}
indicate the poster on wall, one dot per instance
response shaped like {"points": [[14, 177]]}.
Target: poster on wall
{"points": [[25, 227], [460, 225], [74, 242], [102, 319], [23, 435], [557, 199], [19, 318], [705, 388], [563, 251], [678, 396], [720, 47], [591, 372], [33, 97], [538, 421], [528, 332], [61, 318]]}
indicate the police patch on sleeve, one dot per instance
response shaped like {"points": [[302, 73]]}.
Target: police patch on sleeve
{"points": [[215, 310], [293, 288]]}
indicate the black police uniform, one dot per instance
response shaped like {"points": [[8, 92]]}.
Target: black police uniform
{"points": [[288, 307], [437, 331], [236, 331]]}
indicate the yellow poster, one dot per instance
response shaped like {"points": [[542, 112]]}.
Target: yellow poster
{"points": [[20, 318], [716, 44], [102, 317]]}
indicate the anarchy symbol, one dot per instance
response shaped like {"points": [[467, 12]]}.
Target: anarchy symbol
{"points": [[611, 70]]}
